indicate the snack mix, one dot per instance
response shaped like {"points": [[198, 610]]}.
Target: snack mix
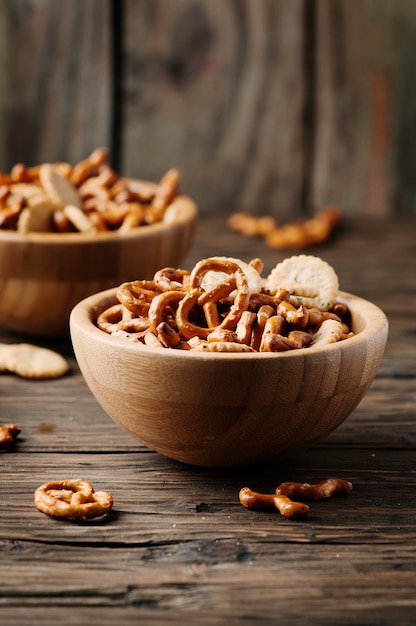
{"points": [[89, 197], [224, 305]]}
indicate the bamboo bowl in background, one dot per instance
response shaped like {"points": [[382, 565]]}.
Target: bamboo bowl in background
{"points": [[44, 275], [228, 410]]}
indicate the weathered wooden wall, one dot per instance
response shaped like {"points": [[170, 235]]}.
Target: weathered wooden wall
{"points": [[270, 106]]}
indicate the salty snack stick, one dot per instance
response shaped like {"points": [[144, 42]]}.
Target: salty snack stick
{"points": [[318, 491], [31, 361], [215, 307], [89, 197], [72, 498], [282, 498], [267, 502], [8, 435]]}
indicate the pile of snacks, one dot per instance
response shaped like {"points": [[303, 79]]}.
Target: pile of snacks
{"points": [[281, 499], [88, 197], [224, 305], [295, 234]]}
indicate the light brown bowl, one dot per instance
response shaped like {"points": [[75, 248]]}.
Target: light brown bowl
{"points": [[222, 409], [43, 275]]}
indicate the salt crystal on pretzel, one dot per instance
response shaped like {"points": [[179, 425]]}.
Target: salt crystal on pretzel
{"points": [[72, 498], [309, 280]]}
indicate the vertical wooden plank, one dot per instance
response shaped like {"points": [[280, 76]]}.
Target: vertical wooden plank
{"points": [[365, 59], [214, 87], [4, 61], [58, 88]]}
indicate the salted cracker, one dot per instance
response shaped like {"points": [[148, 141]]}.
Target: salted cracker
{"points": [[30, 361], [310, 281]]}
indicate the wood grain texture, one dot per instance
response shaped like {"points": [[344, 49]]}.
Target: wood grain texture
{"points": [[178, 547], [59, 95], [269, 107], [208, 86], [362, 105]]}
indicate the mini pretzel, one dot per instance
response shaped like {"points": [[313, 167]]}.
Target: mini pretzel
{"points": [[171, 279], [318, 491], [251, 225], [267, 502], [243, 295], [282, 498], [215, 303], [166, 191], [138, 295], [294, 234], [8, 435], [91, 194], [72, 498], [160, 305]]}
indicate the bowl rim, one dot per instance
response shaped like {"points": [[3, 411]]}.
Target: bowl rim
{"points": [[186, 213], [83, 314]]}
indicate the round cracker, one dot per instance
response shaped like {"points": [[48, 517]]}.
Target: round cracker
{"points": [[30, 361], [59, 188], [311, 281]]}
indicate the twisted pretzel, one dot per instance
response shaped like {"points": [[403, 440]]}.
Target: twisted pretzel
{"points": [[226, 302], [72, 498], [228, 267]]}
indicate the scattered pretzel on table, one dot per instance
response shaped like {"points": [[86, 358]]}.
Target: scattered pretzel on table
{"points": [[8, 435], [282, 498], [224, 305], [294, 234], [72, 498]]}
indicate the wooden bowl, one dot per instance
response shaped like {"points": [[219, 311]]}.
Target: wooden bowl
{"points": [[228, 410], [43, 275]]}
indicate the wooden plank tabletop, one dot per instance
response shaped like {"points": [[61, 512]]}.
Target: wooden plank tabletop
{"points": [[178, 547]]}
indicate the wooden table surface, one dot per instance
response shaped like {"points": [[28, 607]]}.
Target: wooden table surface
{"points": [[178, 547]]}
